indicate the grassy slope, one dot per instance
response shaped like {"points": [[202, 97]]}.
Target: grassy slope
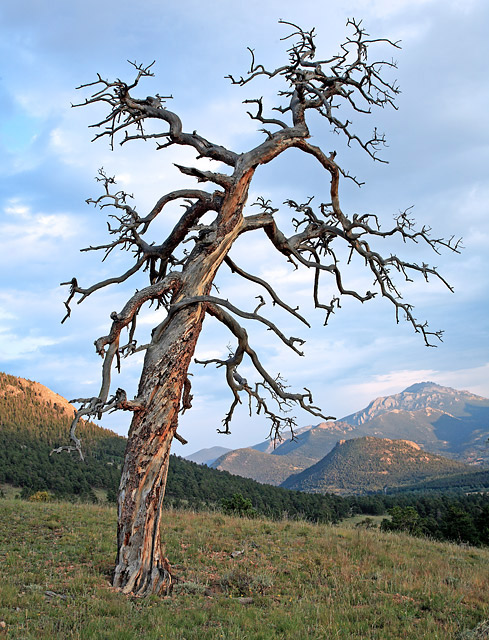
{"points": [[306, 581]]}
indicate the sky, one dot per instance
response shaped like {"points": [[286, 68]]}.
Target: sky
{"points": [[438, 163]]}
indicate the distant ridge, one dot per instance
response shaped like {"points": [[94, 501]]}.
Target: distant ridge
{"points": [[273, 464], [259, 466], [207, 456], [421, 386], [271, 445]]}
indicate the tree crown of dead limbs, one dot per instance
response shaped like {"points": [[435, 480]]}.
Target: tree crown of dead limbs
{"points": [[309, 84]]}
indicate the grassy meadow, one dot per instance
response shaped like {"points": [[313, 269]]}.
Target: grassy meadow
{"points": [[289, 580]]}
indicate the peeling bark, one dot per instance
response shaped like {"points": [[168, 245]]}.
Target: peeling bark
{"points": [[141, 567]]}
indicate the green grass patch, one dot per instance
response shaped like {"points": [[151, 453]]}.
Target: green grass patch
{"points": [[290, 580], [359, 520]]}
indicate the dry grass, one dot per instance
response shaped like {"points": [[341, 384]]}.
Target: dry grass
{"points": [[293, 580]]}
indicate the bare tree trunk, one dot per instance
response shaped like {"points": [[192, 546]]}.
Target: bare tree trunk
{"points": [[141, 567]]}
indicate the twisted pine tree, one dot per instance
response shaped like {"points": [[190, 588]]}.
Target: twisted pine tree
{"points": [[180, 280]]}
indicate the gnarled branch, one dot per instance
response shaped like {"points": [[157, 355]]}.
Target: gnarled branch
{"points": [[274, 386]]}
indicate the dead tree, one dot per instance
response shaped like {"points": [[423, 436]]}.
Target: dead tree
{"points": [[180, 279]]}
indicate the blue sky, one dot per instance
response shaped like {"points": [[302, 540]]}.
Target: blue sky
{"points": [[438, 162]]}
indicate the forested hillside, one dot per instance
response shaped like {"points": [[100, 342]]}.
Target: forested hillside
{"points": [[33, 420], [364, 465]]}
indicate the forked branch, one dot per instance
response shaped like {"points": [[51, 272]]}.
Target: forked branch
{"points": [[127, 113], [273, 386], [322, 84]]}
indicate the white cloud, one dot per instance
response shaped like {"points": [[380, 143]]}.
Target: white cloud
{"points": [[17, 209], [14, 347], [386, 384], [33, 235], [209, 354], [6, 315], [473, 380], [151, 318]]}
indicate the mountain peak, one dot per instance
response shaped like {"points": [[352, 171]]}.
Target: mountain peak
{"points": [[422, 386], [421, 395]]}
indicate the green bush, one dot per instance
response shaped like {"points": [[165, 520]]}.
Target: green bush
{"points": [[402, 519], [237, 505]]}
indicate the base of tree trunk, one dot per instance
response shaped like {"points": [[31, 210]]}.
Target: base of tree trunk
{"points": [[158, 581]]}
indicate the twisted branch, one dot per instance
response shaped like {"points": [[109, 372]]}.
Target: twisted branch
{"points": [[273, 386]]}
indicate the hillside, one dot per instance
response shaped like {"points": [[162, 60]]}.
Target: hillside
{"points": [[417, 426], [270, 445], [198, 487], [34, 420], [369, 464], [308, 446], [273, 465], [262, 467], [290, 580]]}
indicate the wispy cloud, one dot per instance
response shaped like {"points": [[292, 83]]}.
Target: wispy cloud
{"points": [[15, 347], [26, 234]]}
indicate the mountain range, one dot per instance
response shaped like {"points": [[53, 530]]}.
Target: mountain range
{"points": [[440, 420], [361, 453]]}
